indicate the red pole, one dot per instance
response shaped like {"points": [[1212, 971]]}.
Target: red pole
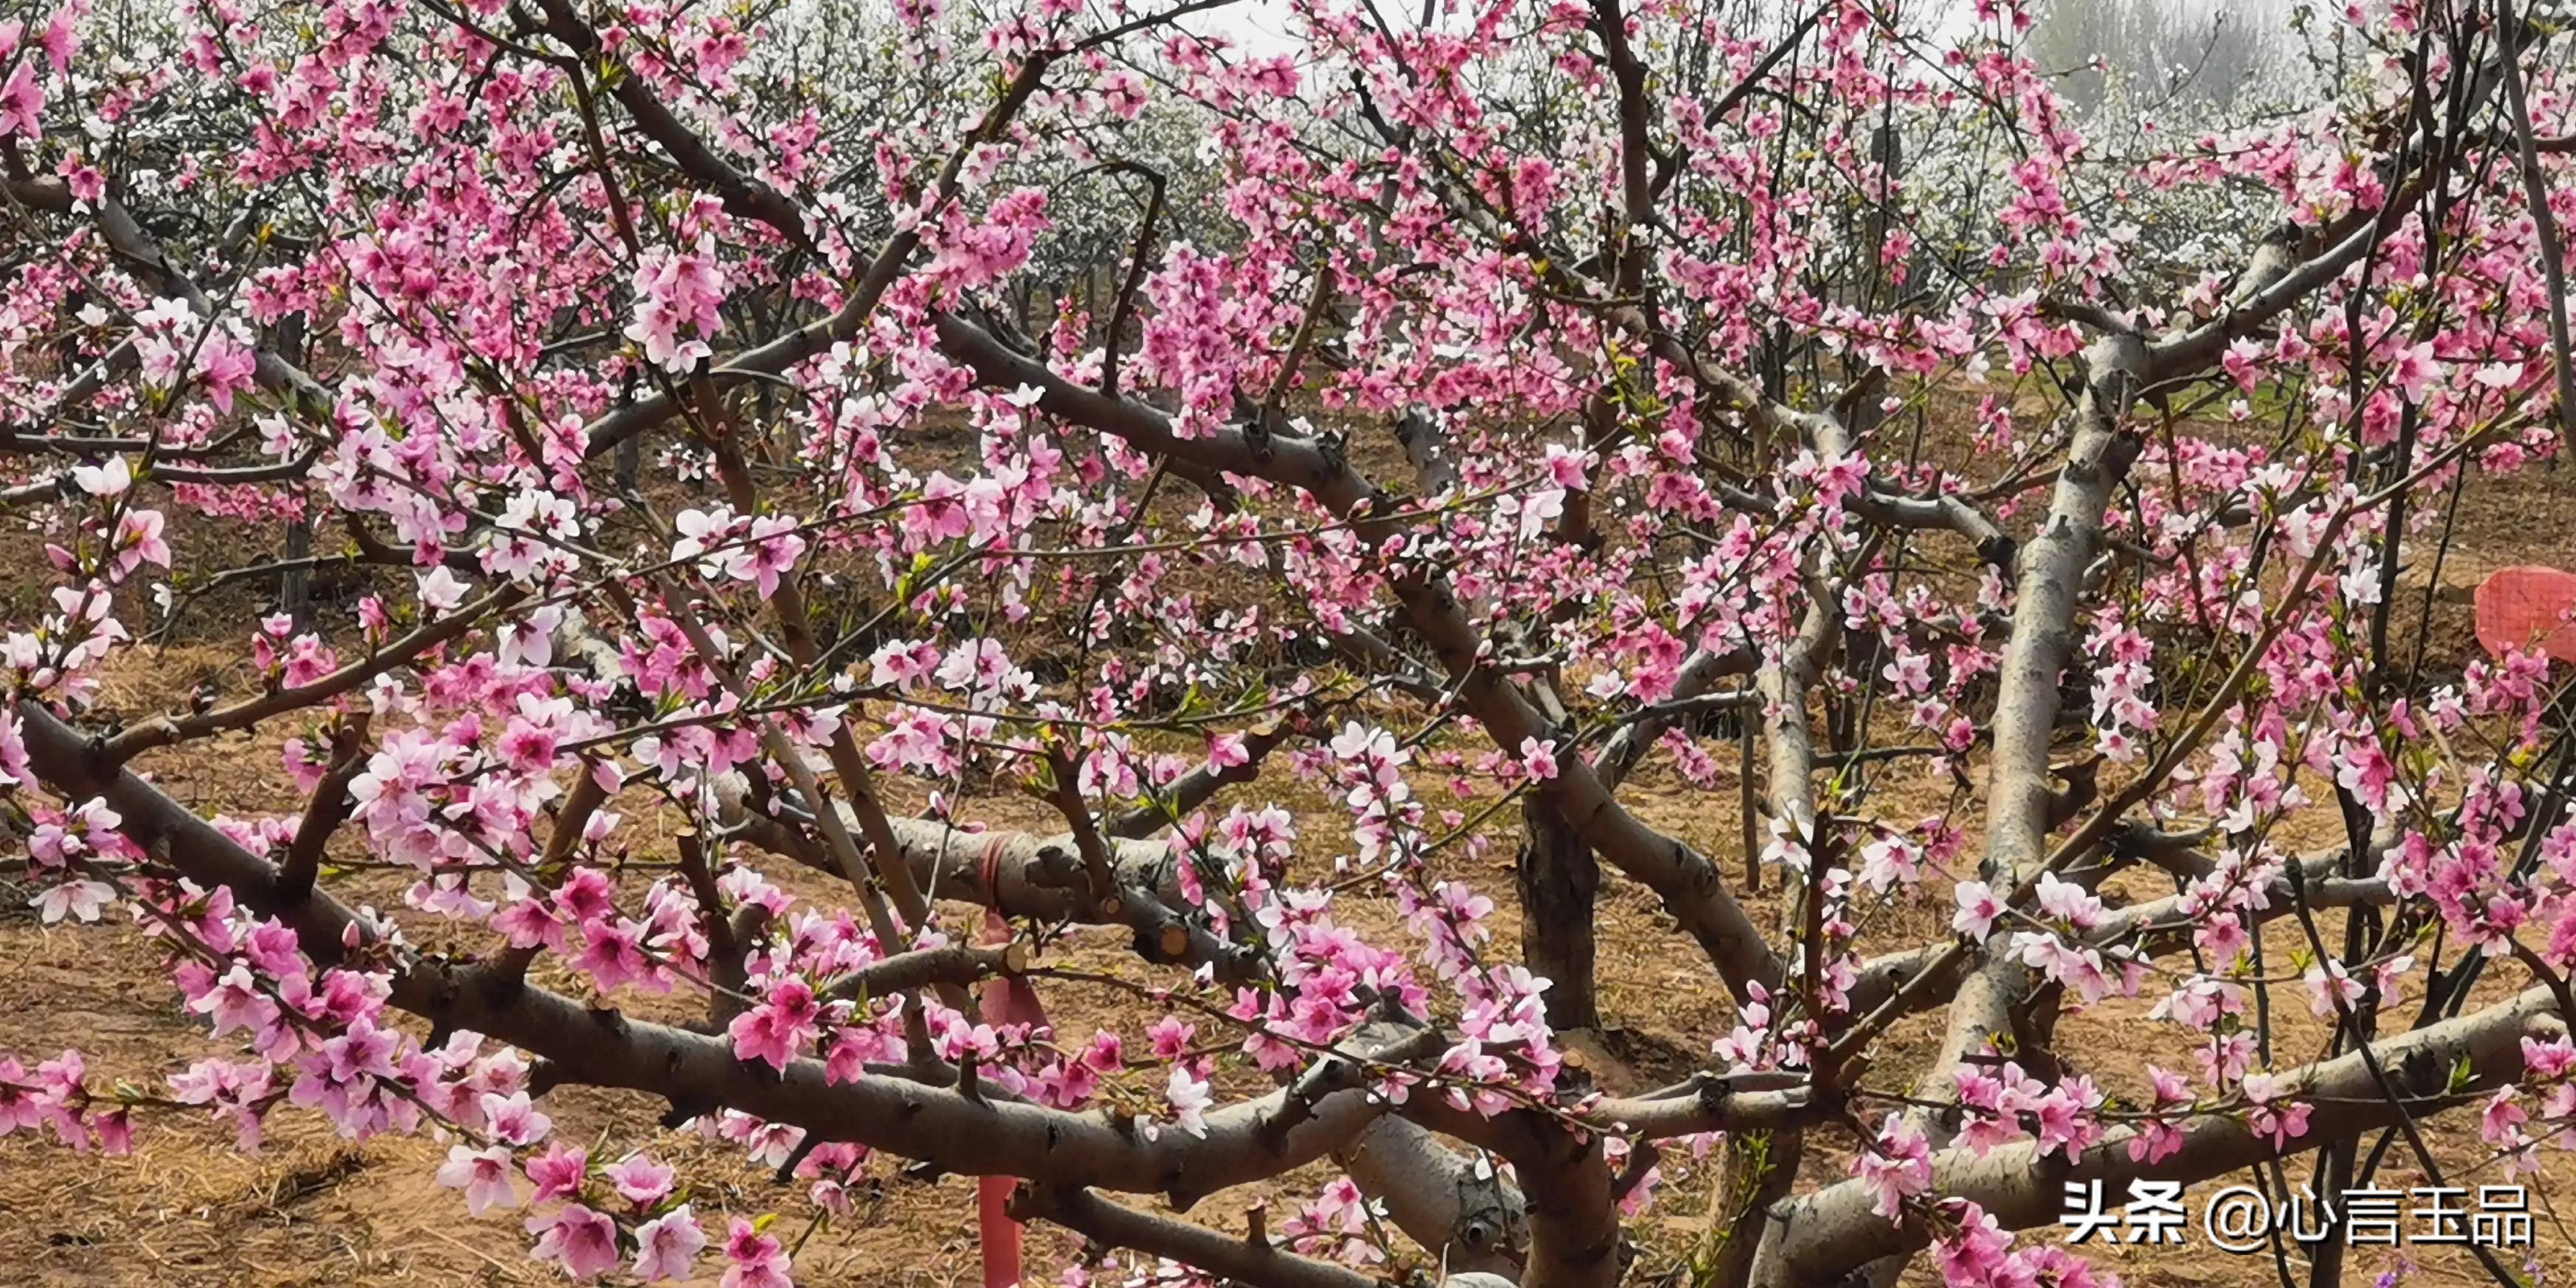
{"points": [[1005, 1001], [1001, 1234]]}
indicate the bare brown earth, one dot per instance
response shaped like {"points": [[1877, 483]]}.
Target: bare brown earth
{"points": [[187, 1209]]}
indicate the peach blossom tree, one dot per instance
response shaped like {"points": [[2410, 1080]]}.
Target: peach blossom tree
{"points": [[1474, 416]]}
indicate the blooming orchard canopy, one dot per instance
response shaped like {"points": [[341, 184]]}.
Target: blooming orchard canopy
{"points": [[1778, 455]]}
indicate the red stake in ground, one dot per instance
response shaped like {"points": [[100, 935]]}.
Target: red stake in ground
{"points": [[1005, 1001]]}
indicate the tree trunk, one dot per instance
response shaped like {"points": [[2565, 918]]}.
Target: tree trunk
{"points": [[1558, 879], [295, 585]]}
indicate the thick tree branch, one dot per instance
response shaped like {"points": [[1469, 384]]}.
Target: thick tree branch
{"points": [[1816, 1238], [1257, 1263], [1691, 886]]}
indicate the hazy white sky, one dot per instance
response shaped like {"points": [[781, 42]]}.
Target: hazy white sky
{"points": [[1259, 25], [1262, 26]]}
